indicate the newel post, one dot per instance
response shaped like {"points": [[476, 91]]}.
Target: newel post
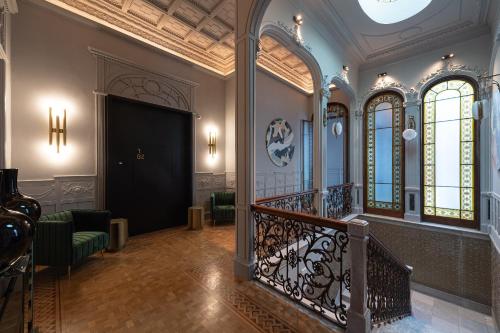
{"points": [[358, 315]]}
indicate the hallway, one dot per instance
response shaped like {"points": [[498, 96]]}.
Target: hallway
{"points": [[169, 281], [181, 281]]}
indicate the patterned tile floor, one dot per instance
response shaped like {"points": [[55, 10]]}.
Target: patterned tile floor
{"points": [[182, 281]]}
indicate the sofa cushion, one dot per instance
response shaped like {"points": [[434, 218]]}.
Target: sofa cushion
{"points": [[60, 216], [86, 243], [224, 212]]}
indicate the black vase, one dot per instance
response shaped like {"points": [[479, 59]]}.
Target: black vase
{"points": [[11, 199], [16, 234]]}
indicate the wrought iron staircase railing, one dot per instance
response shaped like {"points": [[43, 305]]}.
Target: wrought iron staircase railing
{"points": [[339, 201], [308, 258], [389, 294], [295, 202]]}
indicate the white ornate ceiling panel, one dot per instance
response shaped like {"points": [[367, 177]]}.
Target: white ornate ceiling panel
{"points": [[200, 31], [276, 58], [441, 23]]}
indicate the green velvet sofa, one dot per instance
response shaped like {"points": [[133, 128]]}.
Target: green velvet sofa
{"points": [[222, 206], [66, 238]]}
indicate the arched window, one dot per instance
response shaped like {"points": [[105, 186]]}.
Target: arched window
{"points": [[337, 144], [384, 155], [449, 159]]}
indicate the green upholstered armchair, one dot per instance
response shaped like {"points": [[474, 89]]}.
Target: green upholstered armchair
{"points": [[222, 206], [66, 238]]}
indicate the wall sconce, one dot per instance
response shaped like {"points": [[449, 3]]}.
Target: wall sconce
{"points": [[212, 143], [447, 56], [58, 130], [410, 133], [380, 75], [297, 34]]}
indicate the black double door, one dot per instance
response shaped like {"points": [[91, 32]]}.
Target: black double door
{"points": [[149, 164]]}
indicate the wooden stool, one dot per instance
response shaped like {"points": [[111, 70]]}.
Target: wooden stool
{"points": [[195, 218], [118, 234]]}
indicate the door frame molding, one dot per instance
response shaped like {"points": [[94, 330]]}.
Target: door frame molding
{"points": [[123, 78]]}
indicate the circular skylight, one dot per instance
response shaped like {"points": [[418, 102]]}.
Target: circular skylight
{"points": [[392, 11]]}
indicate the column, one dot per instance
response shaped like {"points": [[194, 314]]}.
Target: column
{"points": [[358, 315]]}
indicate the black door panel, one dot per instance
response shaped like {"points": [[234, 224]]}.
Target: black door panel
{"points": [[149, 164]]}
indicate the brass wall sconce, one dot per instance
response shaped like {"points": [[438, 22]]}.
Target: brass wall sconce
{"points": [[58, 130], [212, 143]]}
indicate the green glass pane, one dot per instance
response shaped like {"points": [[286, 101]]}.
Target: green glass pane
{"points": [[429, 175], [467, 215], [467, 198], [429, 154], [429, 196], [430, 96], [445, 212], [429, 111], [467, 153], [467, 176], [455, 84], [466, 106], [466, 89], [440, 87], [467, 130], [429, 133], [429, 210]]}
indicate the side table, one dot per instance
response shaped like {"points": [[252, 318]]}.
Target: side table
{"points": [[196, 218], [118, 234]]}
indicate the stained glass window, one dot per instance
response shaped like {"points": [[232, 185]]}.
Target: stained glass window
{"points": [[448, 152], [384, 124]]}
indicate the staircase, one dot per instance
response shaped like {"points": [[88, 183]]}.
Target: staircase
{"points": [[309, 259]]}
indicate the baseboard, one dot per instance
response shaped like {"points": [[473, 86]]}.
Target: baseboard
{"points": [[412, 217], [463, 302]]}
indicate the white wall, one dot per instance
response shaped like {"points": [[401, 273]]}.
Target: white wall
{"points": [[329, 55], [275, 99], [51, 65]]}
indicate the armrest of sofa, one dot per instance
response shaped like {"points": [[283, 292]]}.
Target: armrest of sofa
{"points": [[53, 245], [91, 220], [212, 205]]}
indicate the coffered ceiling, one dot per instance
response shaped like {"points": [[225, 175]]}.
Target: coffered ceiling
{"points": [[441, 23], [200, 31]]}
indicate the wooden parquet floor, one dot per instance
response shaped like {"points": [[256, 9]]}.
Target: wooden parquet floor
{"points": [[173, 281]]}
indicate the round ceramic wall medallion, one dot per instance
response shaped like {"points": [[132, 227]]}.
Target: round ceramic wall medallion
{"points": [[279, 138]]}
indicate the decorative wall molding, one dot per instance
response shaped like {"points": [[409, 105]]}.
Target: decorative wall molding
{"points": [[206, 183], [124, 78], [385, 85], [277, 183], [62, 192], [448, 70]]}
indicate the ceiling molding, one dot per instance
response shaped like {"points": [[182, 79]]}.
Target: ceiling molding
{"points": [[441, 23], [200, 32]]}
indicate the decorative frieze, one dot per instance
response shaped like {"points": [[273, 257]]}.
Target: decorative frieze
{"points": [[62, 192]]}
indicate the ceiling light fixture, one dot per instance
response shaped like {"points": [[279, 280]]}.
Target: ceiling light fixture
{"points": [[346, 68], [447, 56], [382, 74]]}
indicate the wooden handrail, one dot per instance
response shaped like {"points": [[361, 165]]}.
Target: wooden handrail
{"points": [[389, 253], [284, 196], [311, 219]]}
